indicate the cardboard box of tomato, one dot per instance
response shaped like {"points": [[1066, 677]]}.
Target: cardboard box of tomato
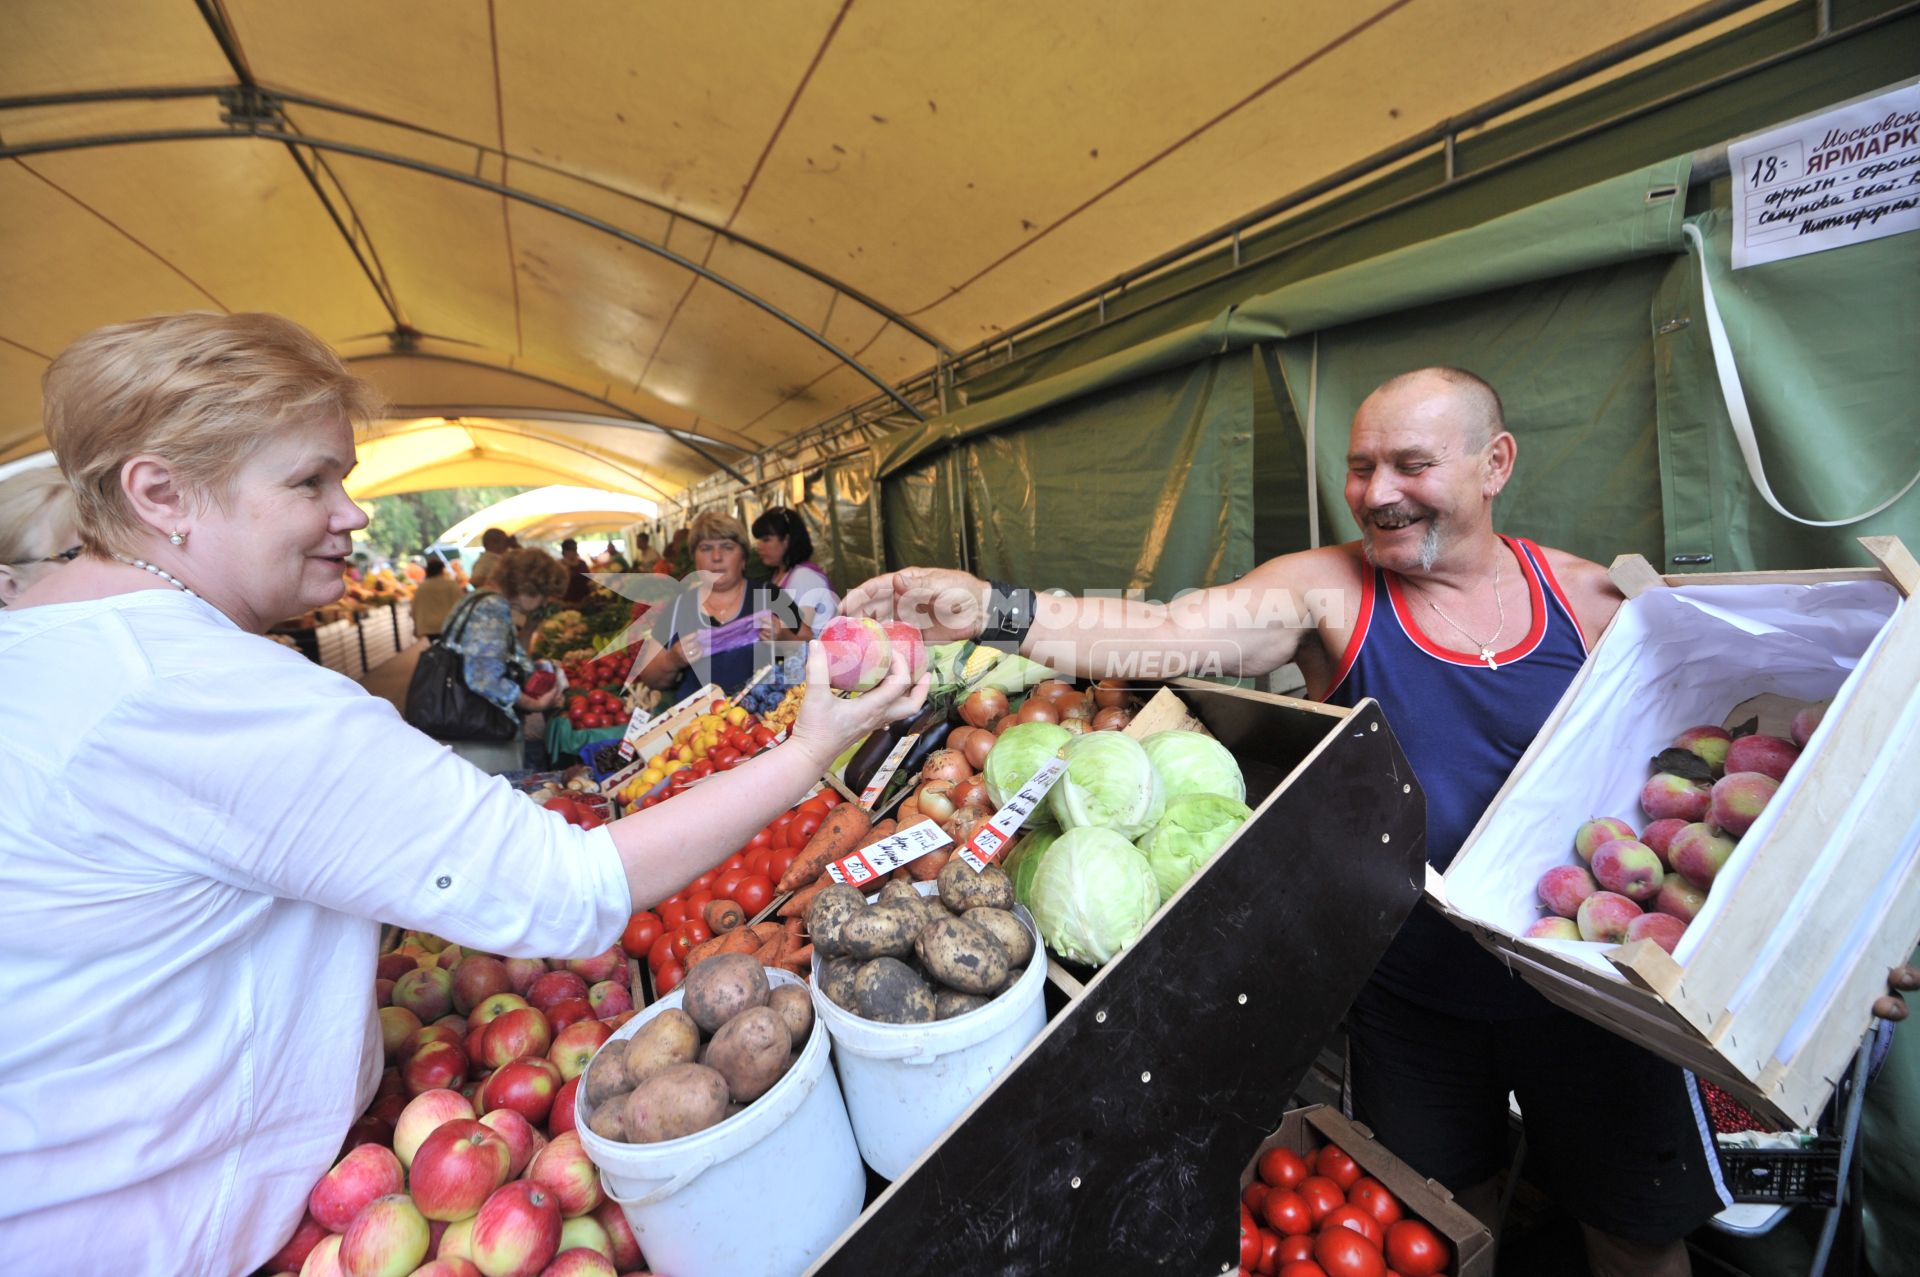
{"points": [[1304, 1172]]}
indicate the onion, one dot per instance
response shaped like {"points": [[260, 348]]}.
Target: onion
{"points": [[1075, 726], [1078, 707], [966, 821], [1038, 711], [984, 706], [936, 801], [1056, 691], [1112, 693], [1112, 719], [1003, 723], [946, 764], [971, 792], [977, 746]]}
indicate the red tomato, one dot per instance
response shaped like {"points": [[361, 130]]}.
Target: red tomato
{"points": [[701, 769], [1282, 1167], [723, 885], [816, 805], [1302, 1268], [668, 978], [802, 829], [1371, 1196], [1295, 1249], [1286, 1212], [1269, 1251], [1359, 1221], [761, 862], [1322, 1196], [1249, 1240], [753, 893], [725, 757], [1416, 1250], [1254, 1194], [738, 860], [1345, 1253], [703, 883], [642, 930], [1333, 1162], [762, 839], [780, 862], [686, 935], [832, 797], [660, 952], [763, 736], [697, 902]]}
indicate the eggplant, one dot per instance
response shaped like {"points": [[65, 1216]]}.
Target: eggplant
{"points": [[932, 737], [867, 759]]}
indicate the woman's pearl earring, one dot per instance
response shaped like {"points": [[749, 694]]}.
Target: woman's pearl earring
{"points": [[178, 537]]}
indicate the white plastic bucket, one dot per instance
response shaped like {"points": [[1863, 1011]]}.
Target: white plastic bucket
{"points": [[790, 1155], [905, 1083]]}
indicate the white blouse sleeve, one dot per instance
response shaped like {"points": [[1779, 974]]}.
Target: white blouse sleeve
{"points": [[293, 781]]}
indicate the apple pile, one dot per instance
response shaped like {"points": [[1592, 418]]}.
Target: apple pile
{"points": [[1706, 791], [1316, 1215], [467, 1161]]}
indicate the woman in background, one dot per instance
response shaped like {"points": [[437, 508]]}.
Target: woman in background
{"points": [[37, 529]]}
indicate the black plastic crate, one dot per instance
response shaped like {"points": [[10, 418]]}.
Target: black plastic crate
{"points": [[1808, 1176]]}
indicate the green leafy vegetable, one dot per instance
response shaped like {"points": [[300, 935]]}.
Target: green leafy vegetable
{"points": [[1195, 827], [1093, 894], [1109, 783], [1190, 763]]}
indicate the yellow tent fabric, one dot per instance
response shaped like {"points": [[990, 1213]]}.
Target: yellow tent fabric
{"points": [[552, 513], [713, 226]]}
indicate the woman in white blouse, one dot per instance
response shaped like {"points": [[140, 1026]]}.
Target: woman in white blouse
{"points": [[201, 827]]}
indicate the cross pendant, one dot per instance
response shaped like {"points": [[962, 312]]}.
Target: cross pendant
{"points": [[1486, 654]]}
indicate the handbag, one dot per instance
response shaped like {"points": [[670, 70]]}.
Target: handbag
{"points": [[440, 703]]}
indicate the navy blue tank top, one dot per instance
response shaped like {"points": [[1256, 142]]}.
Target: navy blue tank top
{"points": [[1463, 726]]}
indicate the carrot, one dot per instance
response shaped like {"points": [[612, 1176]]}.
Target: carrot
{"points": [[724, 915], [928, 867], [765, 931], [705, 949], [768, 954], [796, 906], [838, 835], [799, 961], [739, 940], [879, 832]]}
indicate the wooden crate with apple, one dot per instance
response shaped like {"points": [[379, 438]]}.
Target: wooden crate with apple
{"points": [[1767, 990]]}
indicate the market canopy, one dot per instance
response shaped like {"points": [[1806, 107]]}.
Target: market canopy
{"points": [[551, 514], [629, 245]]}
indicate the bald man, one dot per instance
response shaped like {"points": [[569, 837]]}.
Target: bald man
{"points": [[1468, 639]]}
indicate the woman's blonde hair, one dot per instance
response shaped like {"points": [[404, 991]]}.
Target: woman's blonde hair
{"points": [[32, 504], [201, 391], [715, 526], [529, 572]]}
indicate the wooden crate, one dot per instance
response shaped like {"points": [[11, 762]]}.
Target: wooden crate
{"points": [[1115, 1141], [1771, 996]]}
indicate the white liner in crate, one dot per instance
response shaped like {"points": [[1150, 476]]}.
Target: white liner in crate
{"points": [[1675, 658]]}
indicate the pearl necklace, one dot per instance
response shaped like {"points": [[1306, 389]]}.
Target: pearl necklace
{"points": [[162, 573]]}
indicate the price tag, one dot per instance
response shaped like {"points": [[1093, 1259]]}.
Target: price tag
{"points": [[888, 854], [887, 769], [636, 728], [1005, 823]]}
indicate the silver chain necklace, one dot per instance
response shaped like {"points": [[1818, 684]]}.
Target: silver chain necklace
{"points": [[160, 572], [1486, 648]]}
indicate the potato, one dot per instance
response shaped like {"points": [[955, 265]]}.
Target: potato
{"points": [[963, 956], [667, 1039], [961, 888], [607, 1074], [884, 931], [951, 1002], [1008, 930], [609, 1121], [751, 1051], [836, 981], [679, 1101], [829, 913], [897, 892], [890, 991], [722, 987], [796, 1011]]}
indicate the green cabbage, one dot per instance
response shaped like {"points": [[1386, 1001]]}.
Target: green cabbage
{"points": [[1022, 750], [1194, 828], [1093, 894], [1109, 783], [1190, 763], [1024, 861]]}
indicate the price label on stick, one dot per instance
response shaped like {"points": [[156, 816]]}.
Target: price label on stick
{"points": [[888, 854], [887, 769], [988, 840], [636, 728]]}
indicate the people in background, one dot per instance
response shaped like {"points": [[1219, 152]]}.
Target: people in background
{"points": [[579, 584], [645, 557], [614, 560], [781, 540], [718, 631], [493, 545], [437, 596], [37, 530], [496, 662], [204, 830]]}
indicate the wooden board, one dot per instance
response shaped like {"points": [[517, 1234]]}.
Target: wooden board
{"points": [[1115, 1142]]}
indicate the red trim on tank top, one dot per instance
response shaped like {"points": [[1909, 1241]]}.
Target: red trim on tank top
{"points": [[1536, 603], [1358, 638], [1539, 558]]}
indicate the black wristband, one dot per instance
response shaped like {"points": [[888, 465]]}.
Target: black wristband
{"points": [[1009, 613]]}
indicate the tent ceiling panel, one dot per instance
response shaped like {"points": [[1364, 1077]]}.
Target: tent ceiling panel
{"points": [[20, 392], [120, 43], [887, 350], [412, 456]]}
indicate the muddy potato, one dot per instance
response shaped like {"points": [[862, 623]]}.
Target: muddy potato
{"points": [[884, 931], [836, 981], [609, 1121], [963, 956], [751, 1051], [961, 888], [829, 913], [679, 1101], [1008, 930], [890, 991], [796, 1012], [951, 1002], [667, 1039], [607, 1074], [898, 893], [722, 987]]}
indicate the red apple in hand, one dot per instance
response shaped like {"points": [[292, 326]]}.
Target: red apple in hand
{"points": [[365, 1173], [458, 1168], [517, 1231]]}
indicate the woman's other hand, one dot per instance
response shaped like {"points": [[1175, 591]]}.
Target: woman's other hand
{"points": [[943, 603], [829, 723]]}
